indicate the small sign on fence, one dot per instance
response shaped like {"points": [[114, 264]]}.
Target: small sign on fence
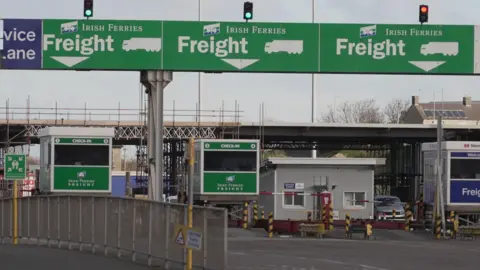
{"points": [[188, 237]]}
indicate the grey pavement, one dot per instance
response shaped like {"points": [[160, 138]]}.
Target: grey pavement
{"points": [[23, 257], [251, 250], [414, 251]]}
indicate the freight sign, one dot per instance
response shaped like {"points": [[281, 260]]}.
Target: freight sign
{"points": [[352, 48], [465, 191], [369, 48]]}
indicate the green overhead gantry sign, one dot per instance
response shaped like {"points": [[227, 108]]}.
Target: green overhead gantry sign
{"points": [[239, 47]]}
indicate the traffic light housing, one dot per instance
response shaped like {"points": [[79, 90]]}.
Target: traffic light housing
{"points": [[423, 13], [248, 11], [88, 8]]}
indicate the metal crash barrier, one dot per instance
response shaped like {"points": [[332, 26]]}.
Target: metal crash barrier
{"points": [[142, 230]]}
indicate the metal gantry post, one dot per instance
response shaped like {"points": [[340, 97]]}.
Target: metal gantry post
{"points": [[156, 81]]}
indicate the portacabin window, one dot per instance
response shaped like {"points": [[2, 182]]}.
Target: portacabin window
{"points": [[354, 200], [294, 201]]}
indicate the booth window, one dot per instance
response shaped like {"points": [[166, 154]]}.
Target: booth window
{"points": [[294, 201], [230, 161], [464, 168], [80, 155], [354, 200]]}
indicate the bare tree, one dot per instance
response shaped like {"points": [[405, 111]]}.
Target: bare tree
{"points": [[395, 110], [363, 111]]}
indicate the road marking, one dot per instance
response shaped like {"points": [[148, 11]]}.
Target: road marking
{"points": [[364, 266], [371, 267]]}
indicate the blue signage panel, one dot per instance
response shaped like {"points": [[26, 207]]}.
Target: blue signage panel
{"points": [[21, 44], [462, 191], [289, 185], [465, 154]]}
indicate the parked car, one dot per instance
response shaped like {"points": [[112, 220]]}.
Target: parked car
{"points": [[384, 206]]}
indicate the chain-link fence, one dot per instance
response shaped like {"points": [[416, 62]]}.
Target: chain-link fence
{"points": [[138, 229]]}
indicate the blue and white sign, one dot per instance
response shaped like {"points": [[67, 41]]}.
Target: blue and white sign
{"points": [[21, 44], [465, 154], [465, 191]]}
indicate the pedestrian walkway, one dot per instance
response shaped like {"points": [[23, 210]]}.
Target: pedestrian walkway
{"points": [[33, 257]]}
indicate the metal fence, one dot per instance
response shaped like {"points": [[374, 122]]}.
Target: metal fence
{"points": [[141, 230]]}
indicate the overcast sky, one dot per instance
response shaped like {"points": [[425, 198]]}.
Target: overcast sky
{"points": [[286, 97]]}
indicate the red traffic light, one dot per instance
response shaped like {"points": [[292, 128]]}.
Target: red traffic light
{"points": [[424, 9]]}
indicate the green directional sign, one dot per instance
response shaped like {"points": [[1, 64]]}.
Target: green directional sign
{"points": [[102, 45], [236, 46], [382, 48], [82, 141], [251, 146], [15, 166]]}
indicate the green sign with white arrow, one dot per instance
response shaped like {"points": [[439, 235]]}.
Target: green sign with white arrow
{"points": [[102, 44], [397, 48], [236, 46], [239, 47]]}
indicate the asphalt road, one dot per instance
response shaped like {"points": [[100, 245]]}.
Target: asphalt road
{"points": [[24, 257], [391, 250], [339, 254]]}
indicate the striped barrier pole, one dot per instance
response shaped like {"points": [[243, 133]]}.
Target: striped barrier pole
{"points": [[270, 225], [245, 215], [452, 219], [347, 225], [255, 213], [324, 216], [420, 208], [408, 217], [438, 226], [368, 231], [452, 216], [330, 217]]}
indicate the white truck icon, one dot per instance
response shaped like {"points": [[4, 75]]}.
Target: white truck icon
{"points": [[289, 46], [211, 29], [70, 27], [445, 48], [147, 44]]}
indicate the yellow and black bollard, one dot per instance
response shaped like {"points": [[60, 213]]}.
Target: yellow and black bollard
{"points": [[368, 231], [452, 216], [394, 214], [408, 217], [245, 215], [330, 218], [438, 227], [452, 219], [324, 216], [255, 213], [270, 225], [347, 225], [263, 214]]}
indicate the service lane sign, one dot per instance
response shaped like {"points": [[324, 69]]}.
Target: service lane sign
{"points": [[236, 46], [20, 44], [102, 45], [382, 48]]}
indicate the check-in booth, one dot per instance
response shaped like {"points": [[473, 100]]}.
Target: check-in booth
{"points": [[75, 160], [460, 175]]}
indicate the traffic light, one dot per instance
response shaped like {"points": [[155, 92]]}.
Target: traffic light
{"points": [[248, 10], [88, 8], [423, 14]]}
